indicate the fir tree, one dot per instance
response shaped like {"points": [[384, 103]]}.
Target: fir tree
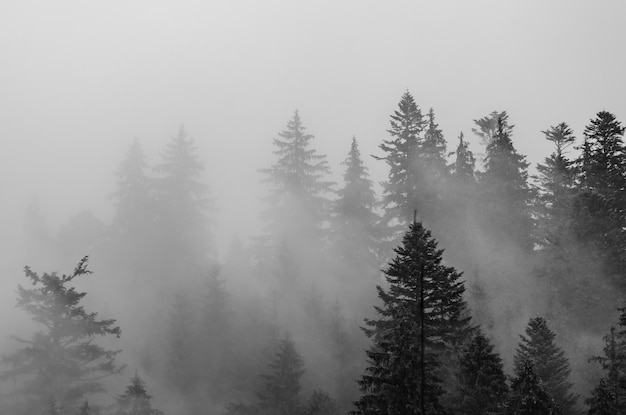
{"points": [[548, 361], [400, 194], [298, 197], [61, 362], [482, 384], [181, 370], [321, 404], [602, 400], [355, 231], [281, 391], [463, 169], [505, 196], [528, 395], [135, 399], [422, 317], [184, 205], [488, 126]]}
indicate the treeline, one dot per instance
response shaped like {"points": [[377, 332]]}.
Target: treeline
{"points": [[237, 335]]}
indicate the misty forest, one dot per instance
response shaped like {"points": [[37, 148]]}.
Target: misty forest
{"points": [[460, 284]]}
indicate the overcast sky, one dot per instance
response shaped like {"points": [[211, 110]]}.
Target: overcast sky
{"points": [[80, 79]]}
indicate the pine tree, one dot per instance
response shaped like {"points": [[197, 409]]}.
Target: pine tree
{"points": [[463, 169], [321, 404], [355, 230], [528, 395], [602, 400], [488, 126], [181, 370], [422, 317], [184, 205], [505, 196], [614, 361], [298, 198], [400, 194], [135, 399], [134, 194], [483, 388], [61, 362], [282, 384], [548, 361]]}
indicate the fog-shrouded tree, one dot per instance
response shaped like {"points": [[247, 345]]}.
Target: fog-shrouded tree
{"points": [[433, 169], [281, 389], [528, 395], [181, 370], [184, 206], [400, 193], [549, 362], [62, 361], [504, 192], [321, 404], [135, 399], [422, 318], [599, 209], [613, 362], [463, 171], [355, 232], [487, 127], [298, 198], [482, 383], [602, 400]]}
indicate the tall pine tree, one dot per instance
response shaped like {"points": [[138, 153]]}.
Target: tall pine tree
{"points": [[548, 361], [422, 317]]}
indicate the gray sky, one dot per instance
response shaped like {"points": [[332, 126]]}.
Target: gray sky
{"points": [[80, 79]]}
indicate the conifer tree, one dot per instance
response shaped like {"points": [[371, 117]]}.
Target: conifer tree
{"points": [[422, 317], [355, 231], [400, 192], [488, 126], [548, 361], [298, 201], [482, 384], [61, 363], [528, 395], [602, 400], [184, 205], [134, 194], [463, 169], [135, 399], [321, 404], [505, 196], [181, 371], [281, 392]]}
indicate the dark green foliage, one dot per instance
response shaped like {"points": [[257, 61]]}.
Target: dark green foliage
{"points": [[393, 380], [321, 404], [505, 196], [135, 399], [298, 196], [482, 384], [528, 395], [401, 196], [602, 400], [548, 361], [61, 362], [281, 392]]}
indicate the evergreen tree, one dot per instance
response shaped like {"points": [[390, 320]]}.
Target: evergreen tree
{"points": [[282, 384], [355, 232], [556, 180], [134, 194], [181, 369], [422, 317], [548, 361], [298, 198], [600, 207], [505, 196], [482, 384], [528, 395], [135, 399], [321, 404], [614, 361], [488, 126], [400, 192], [184, 204], [463, 169], [61, 362], [602, 400]]}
